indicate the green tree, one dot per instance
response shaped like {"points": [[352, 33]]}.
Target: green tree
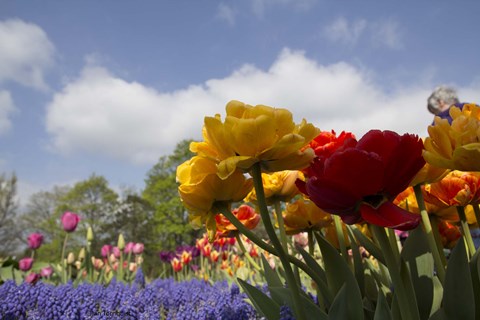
{"points": [[170, 218], [95, 203], [9, 239]]}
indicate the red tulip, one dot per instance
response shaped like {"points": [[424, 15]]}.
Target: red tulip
{"points": [[32, 278], [70, 221], [35, 240], [360, 180]]}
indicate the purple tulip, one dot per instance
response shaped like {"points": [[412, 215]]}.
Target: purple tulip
{"points": [[166, 256], [32, 278], [46, 272], [129, 247], [106, 250], [35, 240], [70, 221], [138, 248], [25, 264]]}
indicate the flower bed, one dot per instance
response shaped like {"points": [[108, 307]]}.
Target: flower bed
{"points": [[161, 299]]}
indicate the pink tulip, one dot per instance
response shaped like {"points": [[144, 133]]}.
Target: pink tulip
{"points": [[128, 247], [32, 278], [138, 248], [70, 221], [25, 264], [116, 252], [35, 240], [46, 272], [106, 250]]}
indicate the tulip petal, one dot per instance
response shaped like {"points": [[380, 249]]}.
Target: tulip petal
{"points": [[330, 196], [467, 157], [358, 172], [390, 216]]}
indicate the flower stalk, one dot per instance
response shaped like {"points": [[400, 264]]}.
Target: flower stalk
{"points": [[427, 228], [467, 236], [256, 173]]}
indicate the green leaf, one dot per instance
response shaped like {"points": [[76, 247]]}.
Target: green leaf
{"points": [[262, 303], [382, 311], [437, 295], [458, 299], [273, 280], [357, 261], [339, 275], [475, 272], [308, 305], [341, 306], [396, 314], [417, 255], [368, 244], [10, 263], [322, 285]]}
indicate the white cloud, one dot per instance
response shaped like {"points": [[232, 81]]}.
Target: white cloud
{"points": [[103, 114], [385, 33], [25, 53], [260, 6], [226, 13], [7, 107], [342, 31]]}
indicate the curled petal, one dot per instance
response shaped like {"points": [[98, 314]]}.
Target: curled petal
{"points": [[390, 216]]}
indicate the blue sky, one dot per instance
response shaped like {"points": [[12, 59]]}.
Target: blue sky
{"points": [[108, 87]]}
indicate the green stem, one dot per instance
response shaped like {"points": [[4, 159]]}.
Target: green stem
{"points": [[245, 252], [467, 236], [223, 209], [281, 225], [294, 287], [438, 239], [427, 228], [407, 311], [64, 263], [341, 238], [392, 238], [311, 244]]}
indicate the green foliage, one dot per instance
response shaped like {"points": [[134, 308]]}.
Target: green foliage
{"points": [[170, 218], [8, 212]]}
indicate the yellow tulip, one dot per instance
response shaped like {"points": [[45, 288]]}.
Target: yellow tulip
{"points": [[256, 134], [200, 189], [455, 146], [278, 186], [302, 215]]}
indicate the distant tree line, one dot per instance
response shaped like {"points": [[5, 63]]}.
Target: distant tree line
{"points": [[153, 216]]}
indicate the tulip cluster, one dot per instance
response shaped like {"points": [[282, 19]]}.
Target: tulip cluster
{"points": [[352, 197]]}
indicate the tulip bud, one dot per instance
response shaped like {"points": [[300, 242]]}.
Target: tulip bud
{"points": [[138, 248], [112, 258], [32, 278], [25, 264], [90, 234], [121, 242], [116, 252], [35, 240], [81, 254], [70, 258], [70, 221], [106, 250], [128, 247], [46, 272], [78, 264]]}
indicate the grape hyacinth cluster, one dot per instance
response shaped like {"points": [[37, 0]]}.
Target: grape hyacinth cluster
{"points": [[160, 299]]}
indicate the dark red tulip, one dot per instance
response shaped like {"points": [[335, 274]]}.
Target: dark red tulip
{"points": [[360, 180]]}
